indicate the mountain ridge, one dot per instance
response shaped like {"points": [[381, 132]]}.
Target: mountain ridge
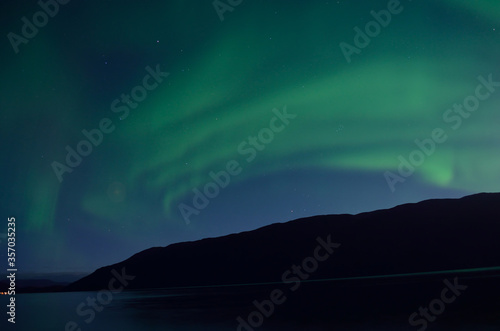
{"points": [[376, 242]]}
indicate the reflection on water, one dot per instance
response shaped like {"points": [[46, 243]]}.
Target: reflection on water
{"points": [[188, 309]]}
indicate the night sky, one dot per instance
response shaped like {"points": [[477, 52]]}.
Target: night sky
{"points": [[256, 105]]}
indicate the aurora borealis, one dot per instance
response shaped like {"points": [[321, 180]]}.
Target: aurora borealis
{"points": [[225, 81]]}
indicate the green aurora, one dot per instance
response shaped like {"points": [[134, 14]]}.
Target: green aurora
{"points": [[224, 80]]}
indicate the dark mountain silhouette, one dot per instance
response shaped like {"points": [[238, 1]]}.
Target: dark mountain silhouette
{"points": [[432, 235], [416, 252]]}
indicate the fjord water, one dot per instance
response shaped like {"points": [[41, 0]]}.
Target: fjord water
{"points": [[126, 311], [205, 309]]}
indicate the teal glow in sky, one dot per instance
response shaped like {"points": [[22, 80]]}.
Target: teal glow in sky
{"points": [[225, 78]]}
